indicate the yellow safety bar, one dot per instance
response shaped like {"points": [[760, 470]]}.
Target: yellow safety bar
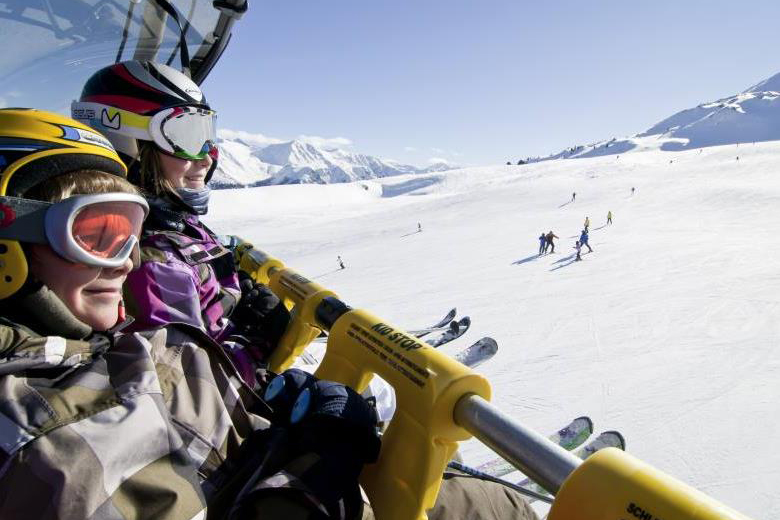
{"points": [[423, 434], [611, 484]]}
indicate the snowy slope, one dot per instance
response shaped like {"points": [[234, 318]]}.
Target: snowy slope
{"points": [[246, 159], [751, 116], [669, 331]]}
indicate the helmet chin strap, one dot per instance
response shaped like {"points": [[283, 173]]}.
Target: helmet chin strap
{"points": [[210, 173]]}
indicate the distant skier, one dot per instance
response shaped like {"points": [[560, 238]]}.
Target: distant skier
{"points": [[587, 223], [584, 239], [549, 237], [542, 243], [577, 246], [419, 227], [609, 217], [632, 190], [341, 262], [573, 196]]}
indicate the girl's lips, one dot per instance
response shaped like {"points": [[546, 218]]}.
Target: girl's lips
{"points": [[104, 290]]}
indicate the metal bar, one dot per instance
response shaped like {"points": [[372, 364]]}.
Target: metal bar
{"points": [[540, 459]]}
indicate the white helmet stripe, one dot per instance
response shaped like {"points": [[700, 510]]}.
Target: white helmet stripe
{"points": [[176, 80], [136, 69]]}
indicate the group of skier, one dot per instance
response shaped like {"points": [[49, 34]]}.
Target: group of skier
{"points": [[546, 244], [171, 412]]}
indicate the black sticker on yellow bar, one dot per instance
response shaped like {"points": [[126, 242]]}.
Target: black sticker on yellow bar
{"points": [[410, 370], [640, 512], [401, 339]]}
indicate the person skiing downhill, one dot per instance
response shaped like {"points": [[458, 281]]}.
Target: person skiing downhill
{"points": [[609, 217], [186, 274], [549, 238], [573, 196], [340, 262], [584, 239], [578, 247], [542, 243], [587, 223], [152, 424]]}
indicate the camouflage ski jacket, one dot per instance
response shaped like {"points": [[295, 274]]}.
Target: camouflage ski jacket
{"points": [[142, 425], [185, 277]]}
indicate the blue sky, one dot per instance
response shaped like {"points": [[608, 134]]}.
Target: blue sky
{"points": [[482, 82]]}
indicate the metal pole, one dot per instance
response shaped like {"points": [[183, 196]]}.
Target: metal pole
{"points": [[540, 459]]}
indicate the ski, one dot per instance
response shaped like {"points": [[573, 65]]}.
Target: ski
{"points": [[477, 353], [456, 329], [443, 323], [608, 439], [569, 437]]}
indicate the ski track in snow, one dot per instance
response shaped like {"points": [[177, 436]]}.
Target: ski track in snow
{"points": [[667, 332]]}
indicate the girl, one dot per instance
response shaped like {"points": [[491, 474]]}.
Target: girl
{"points": [[165, 131]]}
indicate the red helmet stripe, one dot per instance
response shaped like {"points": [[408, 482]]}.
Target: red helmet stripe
{"points": [[122, 72]]}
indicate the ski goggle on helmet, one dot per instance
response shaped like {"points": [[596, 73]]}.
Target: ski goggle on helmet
{"points": [[186, 132], [100, 230]]}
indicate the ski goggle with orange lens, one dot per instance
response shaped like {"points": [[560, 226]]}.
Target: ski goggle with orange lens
{"points": [[100, 230]]}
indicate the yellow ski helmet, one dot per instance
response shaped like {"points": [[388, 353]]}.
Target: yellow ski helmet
{"points": [[34, 147]]}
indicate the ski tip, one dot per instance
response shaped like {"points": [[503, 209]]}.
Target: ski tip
{"points": [[585, 418], [488, 343], [619, 436]]}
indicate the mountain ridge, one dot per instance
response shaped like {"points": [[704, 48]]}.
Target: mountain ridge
{"points": [[255, 160], [752, 115]]}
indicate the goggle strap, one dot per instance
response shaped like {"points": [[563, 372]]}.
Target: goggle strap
{"points": [[23, 220]]}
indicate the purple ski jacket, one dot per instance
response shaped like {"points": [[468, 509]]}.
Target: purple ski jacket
{"points": [[185, 277], [190, 277]]}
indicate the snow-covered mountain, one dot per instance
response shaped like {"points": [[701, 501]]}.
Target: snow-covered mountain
{"points": [[252, 160], [750, 116]]}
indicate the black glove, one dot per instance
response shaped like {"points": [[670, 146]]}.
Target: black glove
{"points": [[335, 413], [260, 315], [327, 434], [337, 424]]}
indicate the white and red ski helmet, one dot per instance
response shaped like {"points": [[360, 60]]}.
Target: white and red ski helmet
{"points": [[148, 101]]}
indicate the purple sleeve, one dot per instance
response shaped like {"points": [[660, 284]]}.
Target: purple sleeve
{"points": [[158, 293]]}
